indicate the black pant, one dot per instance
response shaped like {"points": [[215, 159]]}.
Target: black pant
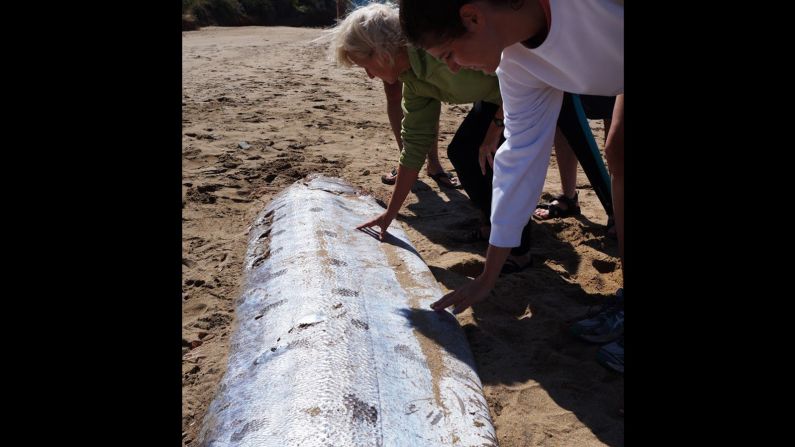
{"points": [[463, 154], [579, 136], [464, 148]]}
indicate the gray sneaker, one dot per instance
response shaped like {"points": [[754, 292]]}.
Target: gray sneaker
{"points": [[612, 355], [606, 326]]}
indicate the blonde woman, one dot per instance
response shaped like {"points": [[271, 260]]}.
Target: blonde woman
{"points": [[370, 38]]}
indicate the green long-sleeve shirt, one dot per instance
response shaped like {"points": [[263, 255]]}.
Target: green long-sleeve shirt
{"points": [[425, 85]]}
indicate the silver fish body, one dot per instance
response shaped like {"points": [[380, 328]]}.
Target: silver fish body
{"points": [[335, 343]]}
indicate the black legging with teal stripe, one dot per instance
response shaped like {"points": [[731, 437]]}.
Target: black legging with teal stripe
{"points": [[463, 152], [574, 126]]}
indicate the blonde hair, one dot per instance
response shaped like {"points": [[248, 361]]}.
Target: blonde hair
{"points": [[368, 31]]}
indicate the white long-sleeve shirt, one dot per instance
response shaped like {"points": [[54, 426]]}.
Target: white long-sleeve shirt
{"points": [[583, 53]]}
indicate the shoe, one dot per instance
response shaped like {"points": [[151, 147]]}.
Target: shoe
{"points": [[606, 326], [611, 355]]}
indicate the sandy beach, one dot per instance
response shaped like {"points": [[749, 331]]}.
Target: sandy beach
{"points": [[273, 90]]}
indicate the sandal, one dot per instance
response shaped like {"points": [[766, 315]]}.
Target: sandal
{"points": [[390, 178], [446, 179], [572, 207]]}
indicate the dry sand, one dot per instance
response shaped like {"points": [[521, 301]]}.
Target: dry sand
{"points": [[273, 88]]}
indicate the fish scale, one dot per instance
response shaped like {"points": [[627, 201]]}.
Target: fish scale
{"points": [[335, 343]]}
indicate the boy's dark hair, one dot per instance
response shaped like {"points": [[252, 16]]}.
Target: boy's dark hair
{"points": [[427, 23]]}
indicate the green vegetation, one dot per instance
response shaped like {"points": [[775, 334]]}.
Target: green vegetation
{"points": [[197, 13]]}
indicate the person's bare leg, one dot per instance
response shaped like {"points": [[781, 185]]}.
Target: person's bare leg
{"points": [[614, 151], [394, 96], [567, 166], [434, 165], [611, 226]]}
